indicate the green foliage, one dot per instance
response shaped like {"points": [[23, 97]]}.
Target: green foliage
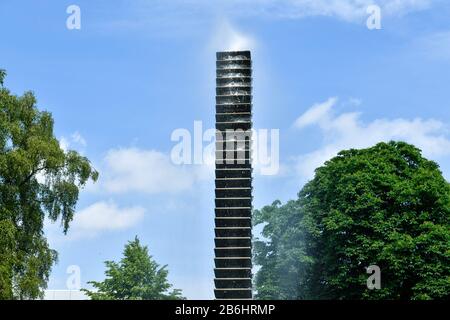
{"points": [[283, 263], [385, 206], [136, 277], [2, 76], [37, 179]]}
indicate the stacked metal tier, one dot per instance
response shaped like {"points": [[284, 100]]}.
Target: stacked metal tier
{"points": [[233, 254]]}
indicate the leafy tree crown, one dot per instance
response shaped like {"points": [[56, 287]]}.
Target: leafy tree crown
{"points": [[37, 179], [386, 206], [136, 277]]}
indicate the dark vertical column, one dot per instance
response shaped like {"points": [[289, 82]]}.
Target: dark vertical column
{"points": [[233, 253]]}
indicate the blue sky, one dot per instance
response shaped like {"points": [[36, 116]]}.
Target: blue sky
{"points": [[138, 70]]}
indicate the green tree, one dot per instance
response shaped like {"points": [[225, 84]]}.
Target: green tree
{"points": [[282, 254], [136, 277], [386, 206], [37, 180]]}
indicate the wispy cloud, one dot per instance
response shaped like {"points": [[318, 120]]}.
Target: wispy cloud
{"points": [[146, 171], [183, 16], [349, 10], [316, 114], [96, 219], [127, 171], [347, 130], [292, 9], [106, 216], [74, 141], [78, 138]]}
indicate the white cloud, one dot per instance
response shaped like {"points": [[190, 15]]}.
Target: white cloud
{"points": [[78, 138], [96, 219], [147, 171], [103, 217], [349, 10], [317, 113], [346, 130], [228, 38], [75, 141]]}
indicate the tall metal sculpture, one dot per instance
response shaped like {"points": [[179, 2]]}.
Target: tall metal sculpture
{"points": [[233, 252]]}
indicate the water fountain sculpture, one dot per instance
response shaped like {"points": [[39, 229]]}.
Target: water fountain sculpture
{"points": [[233, 183]]}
